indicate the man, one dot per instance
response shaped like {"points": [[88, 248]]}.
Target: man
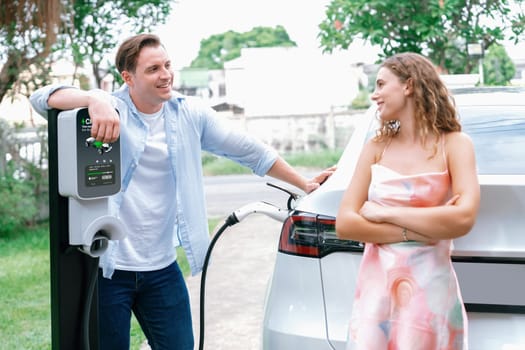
{"points": [[162, 135]]}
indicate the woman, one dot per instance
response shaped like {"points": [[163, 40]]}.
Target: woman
{"points": [[414, 189]]}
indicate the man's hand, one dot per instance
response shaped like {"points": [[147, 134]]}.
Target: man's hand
{"points": [[318, 180], [105, 122]]}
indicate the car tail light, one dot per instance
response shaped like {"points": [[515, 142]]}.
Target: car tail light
{"points": [[312, 235]]}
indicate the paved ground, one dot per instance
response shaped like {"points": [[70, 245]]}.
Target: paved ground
{"points": [[242, 262]]}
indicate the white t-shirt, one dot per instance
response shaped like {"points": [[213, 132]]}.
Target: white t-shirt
{"points": [[148, 201]]}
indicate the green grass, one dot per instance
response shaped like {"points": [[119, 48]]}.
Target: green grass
{"points": [[24, 290], [224, 166], [316, 160], [25, 314], [24, 269]]}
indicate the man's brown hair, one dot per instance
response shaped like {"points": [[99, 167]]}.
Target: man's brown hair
{"points": [[129, 50]]}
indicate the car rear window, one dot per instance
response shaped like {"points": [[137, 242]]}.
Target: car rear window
{"points": [[498, 134]]}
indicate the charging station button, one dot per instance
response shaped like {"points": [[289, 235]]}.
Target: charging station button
{"points": [[100, 174]]}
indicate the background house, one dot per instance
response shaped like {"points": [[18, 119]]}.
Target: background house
{"points": [[291, 80]]}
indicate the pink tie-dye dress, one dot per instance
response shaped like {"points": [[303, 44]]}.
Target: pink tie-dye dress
{"points": [[407, 295]]}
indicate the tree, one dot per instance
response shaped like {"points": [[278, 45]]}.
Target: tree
{"points": [[98, 24], [219, 48], [498, 68], [440, 29], [36, 32], [28, 30]]}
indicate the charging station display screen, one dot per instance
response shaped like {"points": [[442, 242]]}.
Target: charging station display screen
{"points": [[98, 163], [100, 174]]}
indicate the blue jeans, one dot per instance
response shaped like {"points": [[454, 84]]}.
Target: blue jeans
{"points": [[160, 302]]}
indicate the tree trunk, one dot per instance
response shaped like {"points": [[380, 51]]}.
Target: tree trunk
{"points": [[8, 75]]}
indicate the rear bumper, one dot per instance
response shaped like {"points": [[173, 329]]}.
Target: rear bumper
{"points": [[493, 331]]}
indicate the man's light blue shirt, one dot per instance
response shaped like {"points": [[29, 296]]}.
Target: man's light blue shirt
{"points": [[191, 127]]}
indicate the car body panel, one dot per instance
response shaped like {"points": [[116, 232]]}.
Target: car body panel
{"points": [[294, 316], [499, 230], [489, 260], [342, 290], [496, 331], [492, 284]]}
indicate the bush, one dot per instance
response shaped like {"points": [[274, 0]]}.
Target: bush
{"points": [[498, 67], [23, 184], [17, 206]]}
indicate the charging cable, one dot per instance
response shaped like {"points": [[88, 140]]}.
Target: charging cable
{"points": [[92, 272], [235, 217], [257, 207]]}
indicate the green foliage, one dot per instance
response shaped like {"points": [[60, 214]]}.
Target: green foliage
{"points": [[98, 24], [219, 48], [26, 44], [17, 205], [498, 68], [440, 29], [86, 30], [23, 185], [362, 100]]}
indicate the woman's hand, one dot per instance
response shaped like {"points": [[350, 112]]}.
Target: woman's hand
{"points": [[378, 213], [373, 212]]}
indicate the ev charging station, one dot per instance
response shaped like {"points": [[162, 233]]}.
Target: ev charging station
{"points": [[83, 173]]}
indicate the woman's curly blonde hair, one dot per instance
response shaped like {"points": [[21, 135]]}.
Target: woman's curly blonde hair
{"points": [[435, 111]]}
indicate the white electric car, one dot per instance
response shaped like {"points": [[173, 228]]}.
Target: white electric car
{"points": [[309, 298]]}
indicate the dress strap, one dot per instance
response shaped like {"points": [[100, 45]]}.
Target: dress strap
{"points": [[384, 149]]}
